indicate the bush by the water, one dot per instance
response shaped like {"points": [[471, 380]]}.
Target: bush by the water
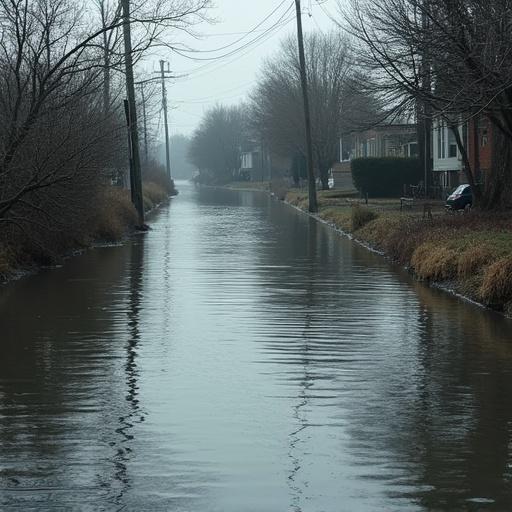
{"points": [[361, 216], [385, 177], [497, 283]]}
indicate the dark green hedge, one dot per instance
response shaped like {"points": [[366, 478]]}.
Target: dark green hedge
{"points": [[385, 177]]}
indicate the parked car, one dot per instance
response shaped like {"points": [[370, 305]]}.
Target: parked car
{"points": [[460, 198]]}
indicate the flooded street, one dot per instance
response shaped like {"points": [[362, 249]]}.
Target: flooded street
{"points": [[242, 357]]}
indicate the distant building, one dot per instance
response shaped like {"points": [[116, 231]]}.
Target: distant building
{"points": [[394, 140], [252, 163], [258, 163]]}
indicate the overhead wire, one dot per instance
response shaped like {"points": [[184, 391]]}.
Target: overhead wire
{"points": [[245, 34], [241, 51], [210, 66], [244, 46], [215, 96], [326, 12]]}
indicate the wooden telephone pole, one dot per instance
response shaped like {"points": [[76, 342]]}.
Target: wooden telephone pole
{"points": [[166, 125], [135, 168], [313, 205], [144, 121]]}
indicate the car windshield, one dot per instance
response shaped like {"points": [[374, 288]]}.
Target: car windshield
{"points": [[461, 189]]}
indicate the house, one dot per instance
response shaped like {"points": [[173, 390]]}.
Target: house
{"points": [[480, 146], [447, 159], [259, 163], [396, 140], [448, 164], [392, 140], [253, 163]]}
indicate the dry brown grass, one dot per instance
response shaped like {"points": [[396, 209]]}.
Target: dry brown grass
{"points": [[433, 262], [110, 218], [153, 194], [394, 234], [497, 282], [473, 260], [115, 215], [339, 216], [360, 216], [297, 198]]}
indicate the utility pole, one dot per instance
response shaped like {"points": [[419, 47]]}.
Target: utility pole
{"points": [[132, 115], [313, 205], [144, 121], [166, 125]]}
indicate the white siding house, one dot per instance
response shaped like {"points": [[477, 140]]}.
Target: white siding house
{"points": [[447, 160]]}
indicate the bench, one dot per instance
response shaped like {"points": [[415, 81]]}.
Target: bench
{"points": [[406, 201]]}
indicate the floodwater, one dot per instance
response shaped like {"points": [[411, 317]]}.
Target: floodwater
{"points": [[242, 357]]}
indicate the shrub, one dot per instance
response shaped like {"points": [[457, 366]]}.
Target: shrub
{"points": [[155, 173], [361, 216], [385, 177], [153, 194], [431, 261], [297, 198], [497, 283], [340, 217], [114, 216], [473, 260]]}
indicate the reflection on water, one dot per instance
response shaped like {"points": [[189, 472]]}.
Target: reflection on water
{"points": [[242, 357]]}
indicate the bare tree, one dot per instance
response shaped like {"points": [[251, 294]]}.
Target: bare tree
{"points": [[451, 57], [277, 104], [216, 144], [52, 62]]}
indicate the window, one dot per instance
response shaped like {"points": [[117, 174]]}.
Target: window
{"points": [[443, 140], [373, 148], [439, 130], [452, 144], [247, 161]]}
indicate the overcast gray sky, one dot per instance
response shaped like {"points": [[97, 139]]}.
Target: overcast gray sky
{"points": [[228, 80]]}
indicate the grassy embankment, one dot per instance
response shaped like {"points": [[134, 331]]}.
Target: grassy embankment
{"points": [[112, 219], [469, 253]]}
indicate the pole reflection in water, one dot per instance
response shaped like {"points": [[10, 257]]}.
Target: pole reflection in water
{"points": [[243, 357], [133, 413]]}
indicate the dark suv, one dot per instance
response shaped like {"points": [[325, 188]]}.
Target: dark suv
{"points": [[460, 198]]}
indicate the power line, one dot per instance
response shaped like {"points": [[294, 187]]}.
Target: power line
{"points": [[241, 48], [213, 98], [216, 96], [207, 68], [326, 12], [252, 31]]}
